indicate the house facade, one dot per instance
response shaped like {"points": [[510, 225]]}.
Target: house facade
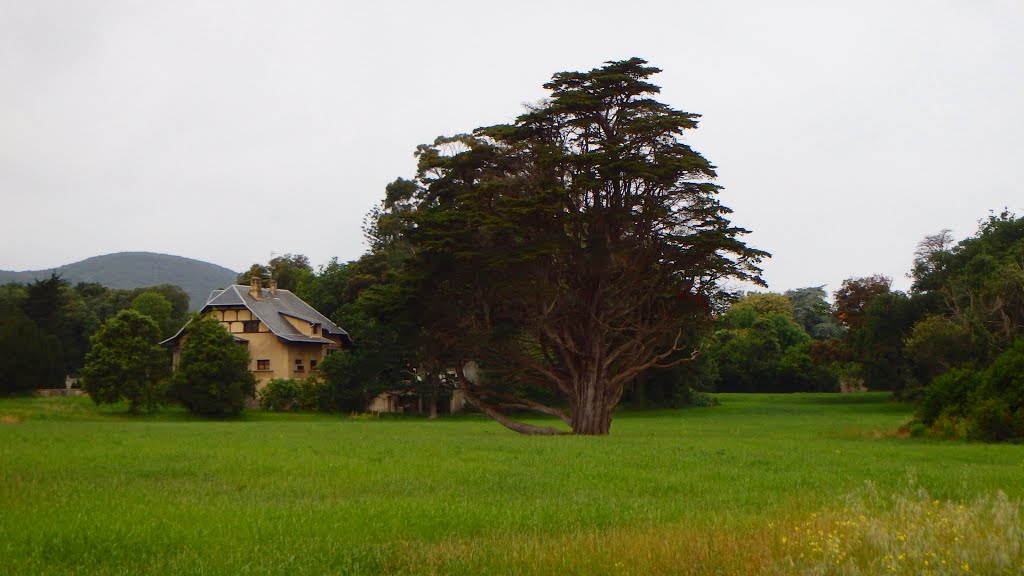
{"points": [[285, 337]]}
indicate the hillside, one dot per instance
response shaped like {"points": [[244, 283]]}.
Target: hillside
{"points": [[137, 270]]}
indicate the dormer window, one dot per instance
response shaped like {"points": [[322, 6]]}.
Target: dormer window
{"points": [[316, 329]]}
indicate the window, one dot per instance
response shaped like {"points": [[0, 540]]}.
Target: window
{"points": [[316, 332], [298, 365], [263, 365], [312, 365], [251, 326]]}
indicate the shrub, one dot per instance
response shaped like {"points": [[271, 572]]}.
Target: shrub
{"points": [[990, 400], [990, 421], [949, 394], [287, 395], [213, 375]]}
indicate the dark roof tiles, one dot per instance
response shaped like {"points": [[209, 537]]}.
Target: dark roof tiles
{"points": [[272, 310]]}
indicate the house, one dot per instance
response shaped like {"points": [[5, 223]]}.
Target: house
{"points": [[286, 337]]}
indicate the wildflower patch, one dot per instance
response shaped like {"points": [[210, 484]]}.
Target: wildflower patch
{"points": [[906, 534]]}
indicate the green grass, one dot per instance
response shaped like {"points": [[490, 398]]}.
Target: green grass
{"points": [[696, 491]]}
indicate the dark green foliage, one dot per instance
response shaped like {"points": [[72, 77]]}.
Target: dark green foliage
{"points": [[44, 303], [966, 357], [158, 308], [29, 357], [355, 377], [73, 315], [991, 400], [813, 313], [759, 347], [937, 344], [948, 395], [127, 363], [212, 377], [979, 282], [799, 372], [877, 321], [328, 290], [572, 250], [992, 421], [673, 387], [877, 340], [288, 395], [290, 271]]}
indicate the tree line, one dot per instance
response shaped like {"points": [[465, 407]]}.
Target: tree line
{"points": [[578, 258], [46, 325]]}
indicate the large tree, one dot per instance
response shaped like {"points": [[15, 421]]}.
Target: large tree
{"points": [[569, 252], [212, 377], [127, 363]]}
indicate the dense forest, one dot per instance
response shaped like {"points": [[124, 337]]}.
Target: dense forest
{"points": [[46, 325]]}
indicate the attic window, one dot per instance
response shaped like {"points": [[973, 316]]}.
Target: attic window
{"points": [[251, 326], [316, 329]]}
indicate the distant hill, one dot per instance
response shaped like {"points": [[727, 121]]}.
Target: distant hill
{"points": [[138, 270]]}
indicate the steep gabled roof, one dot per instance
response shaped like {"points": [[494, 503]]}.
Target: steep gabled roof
{"points": [[271, 309]]}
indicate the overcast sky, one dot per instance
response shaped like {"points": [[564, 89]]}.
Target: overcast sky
{"points": [[233, 131]]}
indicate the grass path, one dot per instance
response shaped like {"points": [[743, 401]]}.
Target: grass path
{"points": [[695, 491]]}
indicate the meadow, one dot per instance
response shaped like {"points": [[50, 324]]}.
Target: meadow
{"points": [[761, 484]]}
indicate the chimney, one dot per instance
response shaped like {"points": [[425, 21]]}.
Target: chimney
{"points": [[273, 288], [254, 288]]}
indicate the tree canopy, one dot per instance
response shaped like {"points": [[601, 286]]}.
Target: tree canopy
{"points": [[212, 377], [569, 252], [126, 362], [290, 271]]}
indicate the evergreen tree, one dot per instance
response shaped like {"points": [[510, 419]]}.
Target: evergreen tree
{"points": [[213, 375], [569, 252]]}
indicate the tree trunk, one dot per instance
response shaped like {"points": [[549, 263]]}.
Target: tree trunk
{"points": [[592, 415], [432, 405], [593, 418]]}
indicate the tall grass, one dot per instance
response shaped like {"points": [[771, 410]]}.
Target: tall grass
{"points": [[697, 491]]}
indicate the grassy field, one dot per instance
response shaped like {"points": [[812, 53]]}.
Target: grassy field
{"points": [[769, 484]]}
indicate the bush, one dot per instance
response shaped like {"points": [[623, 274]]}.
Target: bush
{"points": [[949, 394], [991, 401], [287, 395], [213, 375], [990, 421]]}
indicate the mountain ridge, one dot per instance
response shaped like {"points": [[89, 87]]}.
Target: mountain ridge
{"points": [[128, 270]]}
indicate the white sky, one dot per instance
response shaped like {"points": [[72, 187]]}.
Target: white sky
{"points": [[231, 131]]}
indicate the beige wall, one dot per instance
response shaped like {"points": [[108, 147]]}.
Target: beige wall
{"points": [[304, 328]]}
